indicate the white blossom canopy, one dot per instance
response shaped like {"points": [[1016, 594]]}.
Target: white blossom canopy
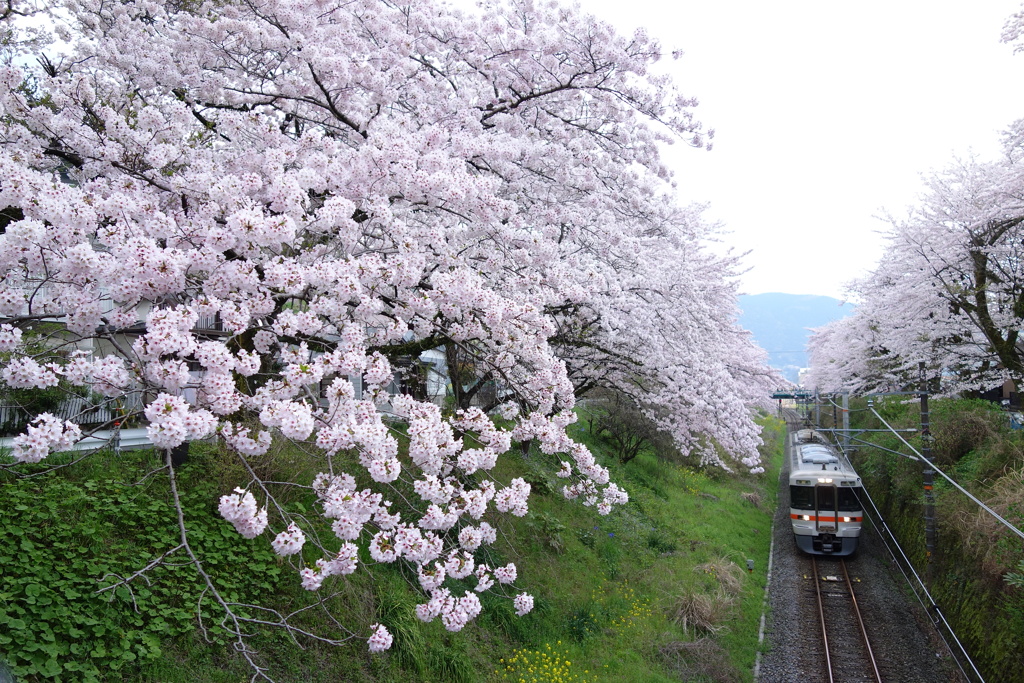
{"points": [[341, 186]]}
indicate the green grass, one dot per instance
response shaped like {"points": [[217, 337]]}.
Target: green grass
{"points": [[609, 590]]}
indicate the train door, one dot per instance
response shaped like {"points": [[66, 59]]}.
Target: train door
{"points": [[826, 514]]}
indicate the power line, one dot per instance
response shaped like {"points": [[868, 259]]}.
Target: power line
{"points": [[934, 608], [947, 477]]}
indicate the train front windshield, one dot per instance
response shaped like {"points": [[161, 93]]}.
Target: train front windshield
{"points": [[802, 498]]}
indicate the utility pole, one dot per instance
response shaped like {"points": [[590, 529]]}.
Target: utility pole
{"points": [[846, 423], [929, 473]]}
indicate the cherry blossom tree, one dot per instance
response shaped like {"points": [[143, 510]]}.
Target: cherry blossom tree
{"points": [[949, 292], [649, 334], [237, 219]]}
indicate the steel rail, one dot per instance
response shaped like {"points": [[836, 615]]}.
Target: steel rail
{"points": [[860, 623], [821, 618]]}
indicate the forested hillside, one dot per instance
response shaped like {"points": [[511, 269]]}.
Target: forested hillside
{"points": [[782, 324]]}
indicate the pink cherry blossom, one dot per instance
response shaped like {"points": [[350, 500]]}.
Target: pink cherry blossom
{"points": [[477, 216], [506, 574], [380, 640], [10, 337], [44, 434], [240, 509], [289, 541], [523, 603]]}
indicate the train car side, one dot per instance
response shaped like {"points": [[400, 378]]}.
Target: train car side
{"points": [[825, 497]]}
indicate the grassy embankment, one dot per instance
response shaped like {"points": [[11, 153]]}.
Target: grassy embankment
{"points": [[975, 446], [657, 591]]}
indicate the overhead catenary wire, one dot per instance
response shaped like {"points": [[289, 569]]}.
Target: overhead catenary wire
{"points": [[931, 607], [832, 402], [881, 448], [948, 478]]}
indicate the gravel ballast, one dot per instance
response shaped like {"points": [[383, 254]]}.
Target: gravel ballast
{"points": [[905, 644]]}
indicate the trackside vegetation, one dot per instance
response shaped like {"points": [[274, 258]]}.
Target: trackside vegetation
{"points": [[976, 575], [658, 589]]}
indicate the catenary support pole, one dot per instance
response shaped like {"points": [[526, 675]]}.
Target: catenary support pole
{"points": [[929, 474], [846, 422]]}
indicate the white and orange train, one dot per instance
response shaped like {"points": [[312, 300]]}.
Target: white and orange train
{"points": [[825, 496]]}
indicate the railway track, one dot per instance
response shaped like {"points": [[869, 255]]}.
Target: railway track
{"points": [[847, 654], [792, 418], [904, 648]]}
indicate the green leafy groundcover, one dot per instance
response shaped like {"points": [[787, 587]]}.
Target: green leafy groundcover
{"points": [[62, 541], [608, 590]]}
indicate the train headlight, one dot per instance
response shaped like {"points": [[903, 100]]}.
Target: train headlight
{"points": [[847, 519], [807, 518]]}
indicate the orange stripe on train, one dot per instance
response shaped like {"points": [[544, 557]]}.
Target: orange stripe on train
{"points": [[812, 518]]}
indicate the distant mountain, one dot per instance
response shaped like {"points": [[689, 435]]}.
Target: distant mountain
{"points": [[782, 323]]}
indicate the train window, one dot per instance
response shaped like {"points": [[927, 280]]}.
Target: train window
{"points": [[801, 497], [826, 497], [848, 499]]}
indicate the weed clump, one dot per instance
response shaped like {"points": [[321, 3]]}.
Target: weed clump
{"points": [[705, 610], [702, 659], [701, 612], [752, 497]]}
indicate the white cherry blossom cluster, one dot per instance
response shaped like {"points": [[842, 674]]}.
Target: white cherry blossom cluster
{"points": [[506, 574], [514, 498], [352, 511], [289, 541], [345, 562], [478, 207], [10, 337], [240, 508], [26, 373], [44, 435], [239, 440], [172, 422], [455, 612], [523, 604], [107, 376], [381, 638], [603, 499]]}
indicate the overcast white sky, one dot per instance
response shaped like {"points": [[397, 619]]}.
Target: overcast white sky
{"points": [[826, 115]]}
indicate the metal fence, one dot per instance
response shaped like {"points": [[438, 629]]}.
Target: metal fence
{"points": [[76, 409]]}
